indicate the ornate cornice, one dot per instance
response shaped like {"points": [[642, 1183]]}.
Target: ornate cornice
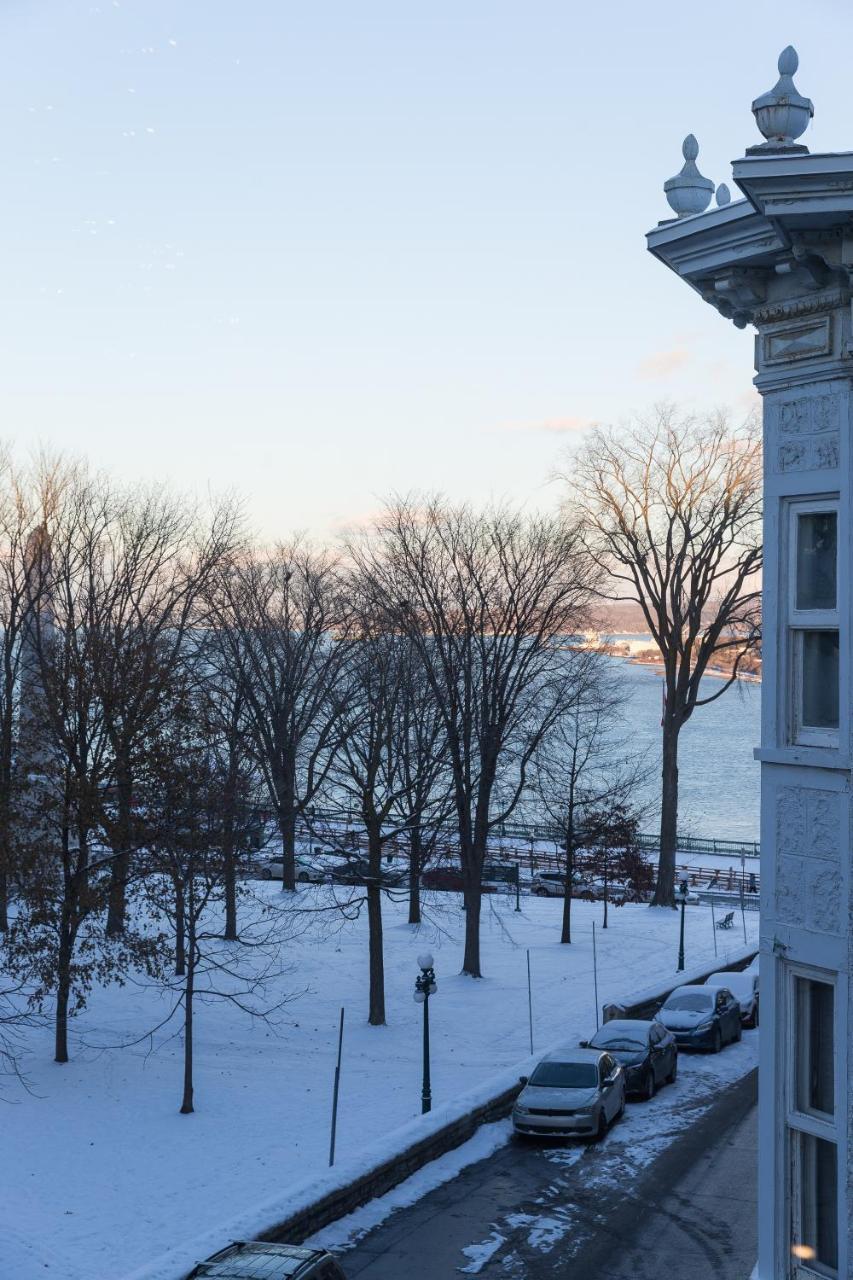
{"points": [[809, 304]]}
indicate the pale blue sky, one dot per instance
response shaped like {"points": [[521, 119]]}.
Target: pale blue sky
{"points": [[319, 251]]}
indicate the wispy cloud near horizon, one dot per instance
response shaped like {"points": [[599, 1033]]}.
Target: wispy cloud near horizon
{"points": [[662, 363], [548, 426]]}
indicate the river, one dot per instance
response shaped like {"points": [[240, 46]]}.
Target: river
{"points": [[718, 778]]}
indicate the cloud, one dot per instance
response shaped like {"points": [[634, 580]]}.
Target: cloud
{"points": [[663, 363], [549, 426]]}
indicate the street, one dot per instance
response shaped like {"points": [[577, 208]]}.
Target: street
{"points": [[683, 1208]]}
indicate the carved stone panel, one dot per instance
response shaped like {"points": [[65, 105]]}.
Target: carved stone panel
{"points": [[797, 340], [803, 434], [808, 868], [808, 893], [808, 823]]}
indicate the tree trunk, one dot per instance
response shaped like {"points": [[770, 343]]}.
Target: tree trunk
{"points": [[606, 887], [117, 905], [180, 929], [664, 895], [287, 831], [415, 876], [63, 987], [568, 888], [4, 902], [376, 1016], [189, 989], [472, 880]]}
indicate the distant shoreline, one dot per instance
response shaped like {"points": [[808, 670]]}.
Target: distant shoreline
{"points": [[641, 651]]}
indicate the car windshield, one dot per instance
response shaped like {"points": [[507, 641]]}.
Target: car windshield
{"points": [[565, 1075], [694, 1001], [623, 1044]]}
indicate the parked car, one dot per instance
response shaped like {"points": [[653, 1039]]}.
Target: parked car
{"points": [[577, 1093], [744, 987], [551, 884], [357, 871], [701, 1017], [646, 1050], [449, 878], [617, 891], [258, 1260], [307, 870]]}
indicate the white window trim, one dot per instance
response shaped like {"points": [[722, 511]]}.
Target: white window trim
{"points": [[798, 621], [817, 1125]]}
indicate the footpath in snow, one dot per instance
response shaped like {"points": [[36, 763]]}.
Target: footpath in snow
{"points": [[140, 1189]]}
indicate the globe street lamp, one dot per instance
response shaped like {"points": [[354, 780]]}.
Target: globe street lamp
{"points": [[425, 986], [682, 895]]}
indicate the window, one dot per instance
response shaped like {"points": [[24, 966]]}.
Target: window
{"points": [[815, 1087], [813, 1129], [813, 623]]}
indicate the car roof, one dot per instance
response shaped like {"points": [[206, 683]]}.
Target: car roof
{"points": [[574, 1055], [628, 1024], [258, 1260], [690, 986]]}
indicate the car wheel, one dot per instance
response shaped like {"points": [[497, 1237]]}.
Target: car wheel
{"points": [[303, 877], [602, 1126], [673, 1073], [649, 1085], [620, 1113], [717, 1043], [266, 874]]}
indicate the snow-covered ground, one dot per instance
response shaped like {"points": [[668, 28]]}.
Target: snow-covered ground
{"points": [[101, 1175]]}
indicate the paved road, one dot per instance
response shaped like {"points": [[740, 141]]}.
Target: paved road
{"points": [[534, 1212]]}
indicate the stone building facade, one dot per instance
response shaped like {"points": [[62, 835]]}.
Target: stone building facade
{"points": [[781, 260]]}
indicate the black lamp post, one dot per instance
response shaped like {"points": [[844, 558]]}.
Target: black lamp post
{"points": [[682, 894], [425, 986]]}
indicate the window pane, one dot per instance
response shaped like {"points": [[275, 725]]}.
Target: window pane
{"points": [[817, 557], [815, 1047], [815, 1235], [820, 679]]}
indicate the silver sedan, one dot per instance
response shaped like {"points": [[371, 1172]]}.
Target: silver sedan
{"points": [[577, 1093]]}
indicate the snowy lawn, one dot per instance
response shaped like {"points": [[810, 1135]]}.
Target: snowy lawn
{"points": [[102, 1176]]}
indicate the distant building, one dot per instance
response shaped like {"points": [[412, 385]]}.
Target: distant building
{"points": [[781, 259]]}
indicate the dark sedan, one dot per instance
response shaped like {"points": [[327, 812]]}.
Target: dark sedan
{"points": [[646, 1050], [701, 1017]]}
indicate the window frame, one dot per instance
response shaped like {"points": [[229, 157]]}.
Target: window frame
{"points": [[811, 1124], [800, 621]]}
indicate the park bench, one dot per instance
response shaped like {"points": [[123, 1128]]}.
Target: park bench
{"points": [[727, 921]]}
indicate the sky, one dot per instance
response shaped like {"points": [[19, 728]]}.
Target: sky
{"points": [[320, 252]]}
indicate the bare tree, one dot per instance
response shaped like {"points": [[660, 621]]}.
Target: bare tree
{"points": [[488, 599], [366, 767], [191, 824], [156, 555], [56, 939], [672, 512], [273, 621], [22, 517], [425, 805], [584, 767]]}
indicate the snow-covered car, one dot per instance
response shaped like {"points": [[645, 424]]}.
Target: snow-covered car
{"points": [[617, 891], [701, 1017], [308, 870], [259, 1260], [744, 987], [551, 884], [646, 1050], [572, 1093]]}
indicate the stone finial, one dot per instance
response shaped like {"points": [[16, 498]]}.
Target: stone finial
{"points": [[688, 192], [782, 114], [724, 196]]}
